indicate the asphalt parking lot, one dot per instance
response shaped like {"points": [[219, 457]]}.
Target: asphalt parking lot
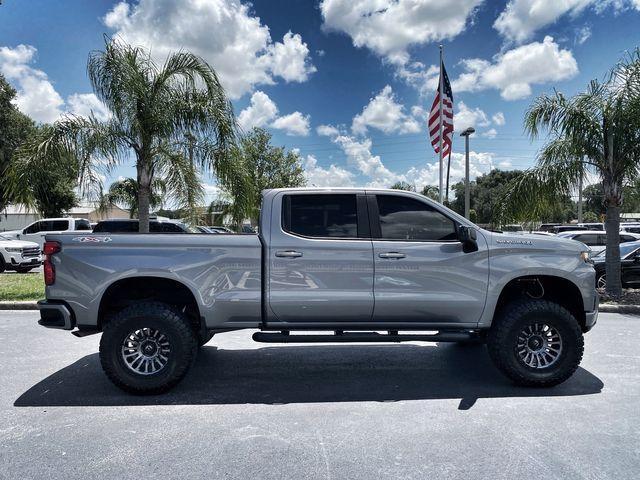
{"points": [[247, 410]]}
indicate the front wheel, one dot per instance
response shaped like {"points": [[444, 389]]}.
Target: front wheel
{"points": [[536, 343], [147, 348], [601, 281]]}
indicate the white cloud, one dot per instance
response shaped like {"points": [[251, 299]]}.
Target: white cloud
{"points": [[83, 104], [327, 131], [390, 27], [293, 124], [467, 117], [583, 34], [359, 154], [289, 59], [479, 164], [491, 133], [263, 112], [385, 114], [498, 119], [333, 176], [521, 18], [260, 112], [36, 95], [514, 71], [223, 32]]}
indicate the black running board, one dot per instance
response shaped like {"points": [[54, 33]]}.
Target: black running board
{"points": [[354, 337]]}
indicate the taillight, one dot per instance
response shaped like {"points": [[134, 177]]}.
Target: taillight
{"points": [[49, 270]]}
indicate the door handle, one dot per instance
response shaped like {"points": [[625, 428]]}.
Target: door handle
{"points": [[394, 255], [288, 254]]}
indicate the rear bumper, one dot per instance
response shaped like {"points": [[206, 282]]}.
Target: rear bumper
{"points": [[55, 315]]}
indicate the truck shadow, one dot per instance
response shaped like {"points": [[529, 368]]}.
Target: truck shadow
{"points": [[293, 374]]}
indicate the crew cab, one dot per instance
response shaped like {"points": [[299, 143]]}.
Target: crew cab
{"points": [[36, 231], [351, 265]]}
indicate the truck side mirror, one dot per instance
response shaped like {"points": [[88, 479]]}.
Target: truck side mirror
{"points": [[468, 237]]}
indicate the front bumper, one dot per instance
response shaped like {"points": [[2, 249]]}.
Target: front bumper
{"points": [[55, 315], [16, 260], [590, 318]]}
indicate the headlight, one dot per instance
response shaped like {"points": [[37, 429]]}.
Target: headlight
{"points": [[14, 249], [586, 256]]}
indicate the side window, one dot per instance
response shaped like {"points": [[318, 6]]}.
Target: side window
{"points": [[588, 239], [169, 227], [403, 218], [33, 228], [626, 238], [321, 215], [83, 225], [59, 225]]}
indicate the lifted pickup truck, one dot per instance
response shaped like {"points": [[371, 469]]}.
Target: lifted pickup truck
{"points": [[352, 265]]}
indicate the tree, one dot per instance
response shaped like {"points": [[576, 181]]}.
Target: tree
{"points": [[124, 193], [174, 120], [402, 185], [597, 132], [49, 188], [265, 167], [431, 191], [15, 129]]}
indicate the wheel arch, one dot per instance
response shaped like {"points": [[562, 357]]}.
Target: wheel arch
{"points": [[125, 291], [559, 290]]}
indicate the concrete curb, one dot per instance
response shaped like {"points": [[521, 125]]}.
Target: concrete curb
{"points": [[614, 308], [26, 305], [604, 307]]}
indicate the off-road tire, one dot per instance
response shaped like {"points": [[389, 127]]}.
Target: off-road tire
{"points": [[503, 337], [204, 339], [155, 315]]}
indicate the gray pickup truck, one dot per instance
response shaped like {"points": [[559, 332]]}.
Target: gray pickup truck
{"points": [[329, 265]]}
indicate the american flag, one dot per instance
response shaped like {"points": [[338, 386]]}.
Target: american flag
{"points": [[447, 116]]}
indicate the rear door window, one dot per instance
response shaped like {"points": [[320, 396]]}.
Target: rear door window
{"points": [[58, 226], [588, 239], [321, 216]]}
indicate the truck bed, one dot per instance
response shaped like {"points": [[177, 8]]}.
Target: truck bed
{"points": [[222, 271]]}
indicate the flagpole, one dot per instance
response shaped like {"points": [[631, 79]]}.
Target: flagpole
{"points": [[440, 95]]}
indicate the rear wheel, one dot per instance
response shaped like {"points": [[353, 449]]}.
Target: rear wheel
{"points": [[536, 343], [147, 348]]}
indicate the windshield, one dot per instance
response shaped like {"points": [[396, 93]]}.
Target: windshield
{"points": [[625, 249]]}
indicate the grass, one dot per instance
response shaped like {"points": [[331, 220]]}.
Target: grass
{"points": [[21, 286]]}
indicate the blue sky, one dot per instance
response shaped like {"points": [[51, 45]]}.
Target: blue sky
{"points": [[347, 82]]}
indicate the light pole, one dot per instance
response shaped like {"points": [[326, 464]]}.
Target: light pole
{"points": [[467, 201]]}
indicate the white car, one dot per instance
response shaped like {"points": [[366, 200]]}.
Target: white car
{"points": [[37, 230], [595, 240], [19, 255]]}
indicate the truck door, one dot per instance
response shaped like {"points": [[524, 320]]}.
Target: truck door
{"points": [[422, 274], [320, 259]]}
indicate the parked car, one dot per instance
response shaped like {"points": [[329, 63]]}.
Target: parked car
{"points": [[514, 228], [629, 264], [592, 226], [210, 229], [597, 241], [36, 231], [566, 228], [132, 226], [630, 227], [545, 227], [349, 262], [19, 255]]}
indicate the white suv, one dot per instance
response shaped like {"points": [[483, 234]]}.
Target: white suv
{"points": [[37, 230], [19, 255]]}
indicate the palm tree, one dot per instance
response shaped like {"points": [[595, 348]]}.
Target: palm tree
{"points": [[174, 120], [125, 193], [595, 132], [431, 191], [402, 185]]}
